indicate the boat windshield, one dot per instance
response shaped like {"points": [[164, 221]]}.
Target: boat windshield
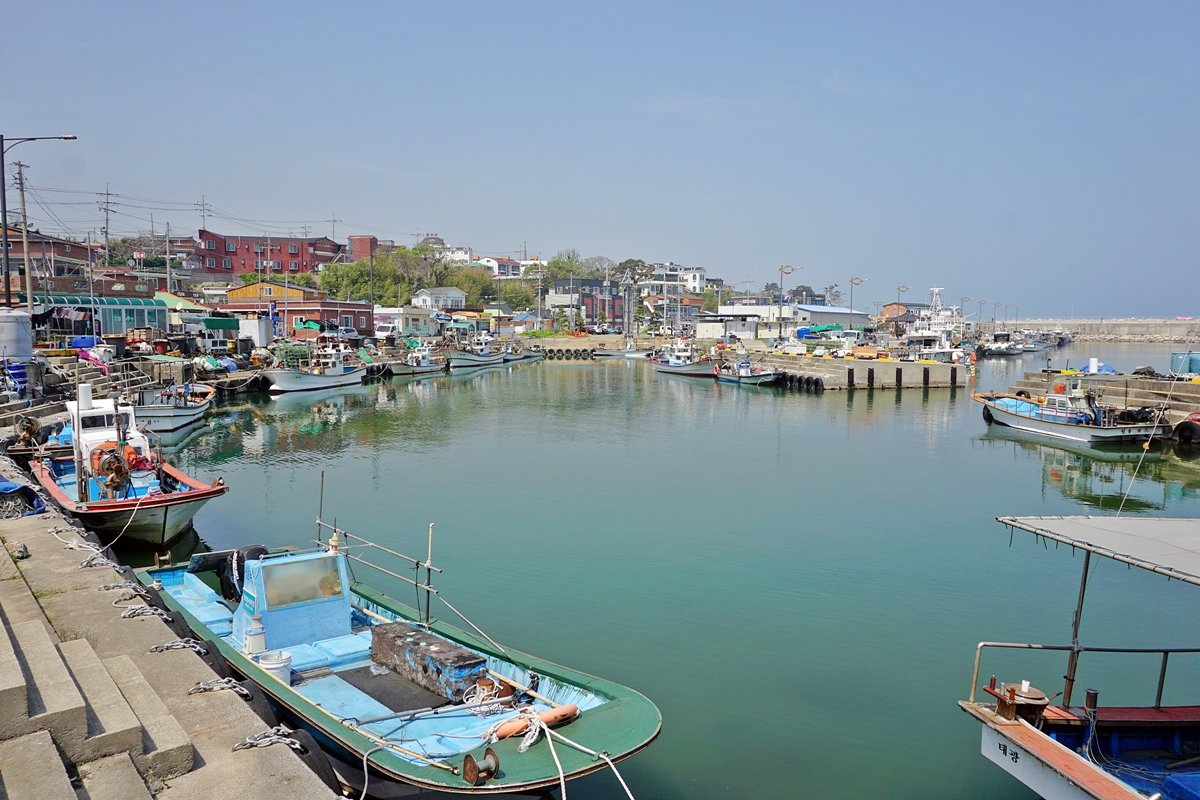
{"points": [[291, 582], [101, 421]]}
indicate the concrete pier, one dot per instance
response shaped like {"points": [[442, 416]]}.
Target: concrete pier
{"points": [[83, 699], [857, 373]]}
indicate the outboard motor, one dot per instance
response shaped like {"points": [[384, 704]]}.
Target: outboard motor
{"points": [[233, 571]]}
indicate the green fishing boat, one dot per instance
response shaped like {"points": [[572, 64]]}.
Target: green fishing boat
{"points": [[395, 697]]}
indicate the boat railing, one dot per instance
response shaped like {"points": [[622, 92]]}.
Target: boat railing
{"points": [[1165, 652]]}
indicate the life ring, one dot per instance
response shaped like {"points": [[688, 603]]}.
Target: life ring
{"points": [[104, 448], [552, 717]]}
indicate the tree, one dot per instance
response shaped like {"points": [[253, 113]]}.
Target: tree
{"points": [[802, 289], [597, 266], [772, 290], [711, 302], [517, 294], [249, 278], [564, 264], [638, 270], [833, 297]]}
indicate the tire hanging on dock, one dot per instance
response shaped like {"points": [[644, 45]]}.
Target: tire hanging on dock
{"points": [[987, 415], [1187, 432]]}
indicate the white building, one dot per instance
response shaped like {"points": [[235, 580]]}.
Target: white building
{"points": [[440, 297]]}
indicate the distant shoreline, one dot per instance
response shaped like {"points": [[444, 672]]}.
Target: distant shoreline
{"points": [[1124, 329]]}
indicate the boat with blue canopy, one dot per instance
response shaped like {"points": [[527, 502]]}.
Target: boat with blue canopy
{"points": [[396, 697]]}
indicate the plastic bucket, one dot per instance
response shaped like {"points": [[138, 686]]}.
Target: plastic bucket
{"points": [[278, 664]]}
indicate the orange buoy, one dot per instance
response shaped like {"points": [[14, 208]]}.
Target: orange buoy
{"points": [[553, 717]]}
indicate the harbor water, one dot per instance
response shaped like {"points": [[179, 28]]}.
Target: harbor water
{"points": [[797, 580]]}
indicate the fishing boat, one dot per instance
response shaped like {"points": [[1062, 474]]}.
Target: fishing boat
{"points": [[114, 483], [680, 359], [742, 372], [1072, 412], [1090, 750], [170, 408], [322, 367], [420, 361], [629, 352], [415, 700], [481, 356], [31, 443]]}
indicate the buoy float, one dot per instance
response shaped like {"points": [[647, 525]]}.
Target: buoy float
{"points": [[553, 717]]}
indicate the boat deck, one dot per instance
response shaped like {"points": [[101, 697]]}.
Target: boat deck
{"points": [[335, 674]]}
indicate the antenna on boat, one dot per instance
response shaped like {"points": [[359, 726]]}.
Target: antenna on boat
{"points": [[428, 573], [320, 506]]}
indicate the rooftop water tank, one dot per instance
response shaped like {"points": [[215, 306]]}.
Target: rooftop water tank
{"points": [[16, 335]]}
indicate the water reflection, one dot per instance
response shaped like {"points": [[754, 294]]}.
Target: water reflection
{"points": [[1099, 476]]}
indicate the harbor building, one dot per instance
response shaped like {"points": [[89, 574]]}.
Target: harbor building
{"points": [[440, 297], [220, 254], [290, 305]]}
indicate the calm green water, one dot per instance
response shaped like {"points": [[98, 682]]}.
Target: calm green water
{"points": [[797, 581]]}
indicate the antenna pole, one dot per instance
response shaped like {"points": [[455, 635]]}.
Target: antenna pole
{"points": [[320, 505], [428, 573]]}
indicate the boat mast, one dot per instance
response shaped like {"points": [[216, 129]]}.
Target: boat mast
{"points": [[1073, 659]]}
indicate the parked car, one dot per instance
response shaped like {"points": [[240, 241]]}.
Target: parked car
{"points": [[347, 333]]}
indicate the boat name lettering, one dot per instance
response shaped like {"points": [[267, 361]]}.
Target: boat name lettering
{"points": [[1009, 751]]}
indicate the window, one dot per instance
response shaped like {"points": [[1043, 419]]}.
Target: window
{"points": [[297, 321], [294, 265], [267, 291], [290, 583], [209, 244], [293, 248], [212, 262], [227, 263], [276, 265], [231, 247], [258, 247], [66, 248], [362, 322], [347, 321]]}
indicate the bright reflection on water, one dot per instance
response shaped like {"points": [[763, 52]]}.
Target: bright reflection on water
{"points": [[797, 581]]}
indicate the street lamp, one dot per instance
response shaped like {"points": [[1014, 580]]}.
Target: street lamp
{"points": [[854, 282], [786, 269], [995, 307], [878, 304], [963, 306], [982, 303], [1006, 305], [1016, 314], [4, 148]]}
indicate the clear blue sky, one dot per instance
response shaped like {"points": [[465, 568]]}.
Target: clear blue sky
{"points": [[1043, 154]]}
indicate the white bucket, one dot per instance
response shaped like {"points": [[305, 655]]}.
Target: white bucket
{"points": [[278, 664]]}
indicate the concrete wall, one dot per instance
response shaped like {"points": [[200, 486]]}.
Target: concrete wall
{"points": [[1166, 329]]}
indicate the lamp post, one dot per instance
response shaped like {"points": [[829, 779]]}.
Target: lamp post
{"points": [[854, 282], [878, 305], [1016, 315], [995, 308], [1006, 305], [4, 148], [786, 269], [982, 303], [963, 308]]}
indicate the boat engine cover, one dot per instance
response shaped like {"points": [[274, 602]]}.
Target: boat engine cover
{"points": [[233, 571]]}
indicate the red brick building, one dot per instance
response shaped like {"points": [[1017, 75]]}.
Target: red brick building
{"points": [[219, 254], [49, 255]]}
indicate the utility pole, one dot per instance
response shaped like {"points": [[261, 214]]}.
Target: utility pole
{"points": [[333, 230], [168, 254], [203, 206], [371, 278], [25, 240], [108, 204]]}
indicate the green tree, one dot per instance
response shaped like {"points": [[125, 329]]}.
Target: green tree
{"points": [[518, 294], [711, 302], [564, 264], [248, 278]]}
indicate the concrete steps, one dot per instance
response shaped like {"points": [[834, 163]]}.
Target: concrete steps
{"points": [[91, 709], [30, 769], [112, 778], [166, 750]]}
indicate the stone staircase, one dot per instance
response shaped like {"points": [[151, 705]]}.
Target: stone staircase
{"points": [[66, 710]]}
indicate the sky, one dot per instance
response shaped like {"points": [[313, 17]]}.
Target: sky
{"points": [[1040, 155]]}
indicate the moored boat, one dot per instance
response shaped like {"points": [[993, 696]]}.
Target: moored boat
{"points": [[163, 410], [324, 368], [30, 443], [629, 352], [681, 359], [742, 372], [379, 684], [1085, 749], [1072, 412], [114, 483], [485, 357], [420, 361]]}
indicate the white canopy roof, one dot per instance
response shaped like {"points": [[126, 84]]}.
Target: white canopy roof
{"points": [[1166, 546]]}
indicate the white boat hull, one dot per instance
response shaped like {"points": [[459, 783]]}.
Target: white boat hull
{"points": [[167, 418], [462, 358], [1090, 434], [297, 380], [749, 380], [155, 525], [700, 369], [420, 369]]}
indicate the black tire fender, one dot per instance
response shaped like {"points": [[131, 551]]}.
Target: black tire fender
{"points": [[314, 758], [259, 703], [216, 662], [1023, 393], [987, 415], [1187, 432]]}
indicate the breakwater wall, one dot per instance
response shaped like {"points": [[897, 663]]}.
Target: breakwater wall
{"points": [[1116, 330]]}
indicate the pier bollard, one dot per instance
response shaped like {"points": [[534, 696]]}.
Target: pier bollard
{"points": [[954, 376], [870, 377], [850, 378], [899, 377]]}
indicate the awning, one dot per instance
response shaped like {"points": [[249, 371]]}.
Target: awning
{"points": [[1166, 546], [84, 301], [221, 324]]}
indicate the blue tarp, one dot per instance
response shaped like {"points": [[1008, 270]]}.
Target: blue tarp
{"points": [[8, 487]]}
